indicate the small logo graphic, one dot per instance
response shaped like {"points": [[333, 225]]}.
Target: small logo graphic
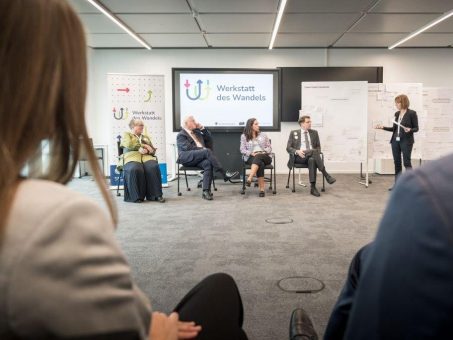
{"points": [[121, 114], [150, 93], [197, 90]]}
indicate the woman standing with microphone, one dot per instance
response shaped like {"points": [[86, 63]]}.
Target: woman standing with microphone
{"points": [[402, 140]]}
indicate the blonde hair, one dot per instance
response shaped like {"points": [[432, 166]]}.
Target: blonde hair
{"points": [[43, 72], [404, 100]]}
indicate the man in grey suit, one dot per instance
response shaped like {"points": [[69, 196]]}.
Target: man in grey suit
{"points": [[304, 147]]}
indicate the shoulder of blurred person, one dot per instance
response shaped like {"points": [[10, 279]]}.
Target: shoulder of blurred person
{"points": [[406, 289], [64, 244]]}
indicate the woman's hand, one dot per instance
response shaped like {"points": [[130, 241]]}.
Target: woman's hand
{"points": [[150, 149], [164, 327], [143, 151], [253, 154], [379, 126], [188, 330]]}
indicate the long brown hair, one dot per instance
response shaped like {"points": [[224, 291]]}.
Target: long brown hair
{"points": [[43, 76], [248, 130]]}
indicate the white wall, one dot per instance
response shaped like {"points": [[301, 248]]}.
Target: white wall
{"points": [[433, 67]]}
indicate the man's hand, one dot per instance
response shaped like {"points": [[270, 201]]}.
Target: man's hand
{"points": [[300, 153], [199, 126], [406, 129], [164, 327], [379, 126], [188, 330]]}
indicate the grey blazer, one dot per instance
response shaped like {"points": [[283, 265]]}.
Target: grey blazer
{"points": [[294, 142], [62, 272]]}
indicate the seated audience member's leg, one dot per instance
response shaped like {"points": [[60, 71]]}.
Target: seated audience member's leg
{"points": [[261, 160], [153, 180], [338, 320], [135, 182], [216, 305], [320, 165], [312, 170], [207, 173]]}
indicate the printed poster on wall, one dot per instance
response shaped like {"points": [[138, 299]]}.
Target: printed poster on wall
{"points": [[139, 97]]}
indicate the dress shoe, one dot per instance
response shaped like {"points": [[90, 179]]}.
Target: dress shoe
{"points": [[330, 179], [261, 194], [391, 188], [206, 195], [138, 201], [229, 175], [160, 199], [314, 192], [301, 327]]}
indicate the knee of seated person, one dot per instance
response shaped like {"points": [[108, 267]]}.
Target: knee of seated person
{"points": [[311, 160], [137, 169], [222, 279]]}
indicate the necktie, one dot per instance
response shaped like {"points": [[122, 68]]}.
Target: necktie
{"points": [[307, 143], [196, 139]]}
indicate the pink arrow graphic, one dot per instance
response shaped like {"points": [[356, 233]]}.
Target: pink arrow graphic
{"points": [[187, 84], [124, 90]]}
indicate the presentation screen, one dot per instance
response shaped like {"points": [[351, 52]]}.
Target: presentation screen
{"points": [[223, 99]]}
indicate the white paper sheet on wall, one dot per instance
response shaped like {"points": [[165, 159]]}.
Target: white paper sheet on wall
{"points": [[340, 109]]}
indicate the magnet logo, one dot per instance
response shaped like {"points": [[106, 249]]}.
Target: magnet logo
{"points": [[197, 90]]}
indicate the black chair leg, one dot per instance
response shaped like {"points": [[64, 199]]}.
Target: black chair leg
{"points": [[187, 182], [243, 181], [294, 180], [289, 176], [270, 183], [323, 184], [275, 182], [213, 180], [179, 192], [118, 187]]}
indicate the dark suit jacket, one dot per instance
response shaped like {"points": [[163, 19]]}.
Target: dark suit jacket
{"points": [[405, 290], [186, 144], [294, 142], [409, 120]]}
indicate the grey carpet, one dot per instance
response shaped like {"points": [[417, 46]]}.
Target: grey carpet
{"points": [[172, 246]]}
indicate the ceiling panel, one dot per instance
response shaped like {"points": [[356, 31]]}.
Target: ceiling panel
{"points": [[235, 6], [83, 6], [317, 23], [430, 40], [161, 23], [112, 40], [369, 39], [444, 27], [414, 6], [99, 23], [392, 23], [234, 23], [175, 40], [147, 6], [324, 6], [305, 39], [239, 40]]}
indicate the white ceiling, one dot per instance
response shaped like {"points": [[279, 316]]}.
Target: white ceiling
{"points": [[249, 23]]}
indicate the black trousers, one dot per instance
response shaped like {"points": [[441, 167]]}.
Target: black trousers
{"points": [[216, 305], [405, 148], [205, 159], [314, 161], [261, 159], [142, 180], [339, 317]]}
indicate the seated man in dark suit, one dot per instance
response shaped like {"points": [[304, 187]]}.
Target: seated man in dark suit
{"points": [[195, 149], [304, 147]]}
